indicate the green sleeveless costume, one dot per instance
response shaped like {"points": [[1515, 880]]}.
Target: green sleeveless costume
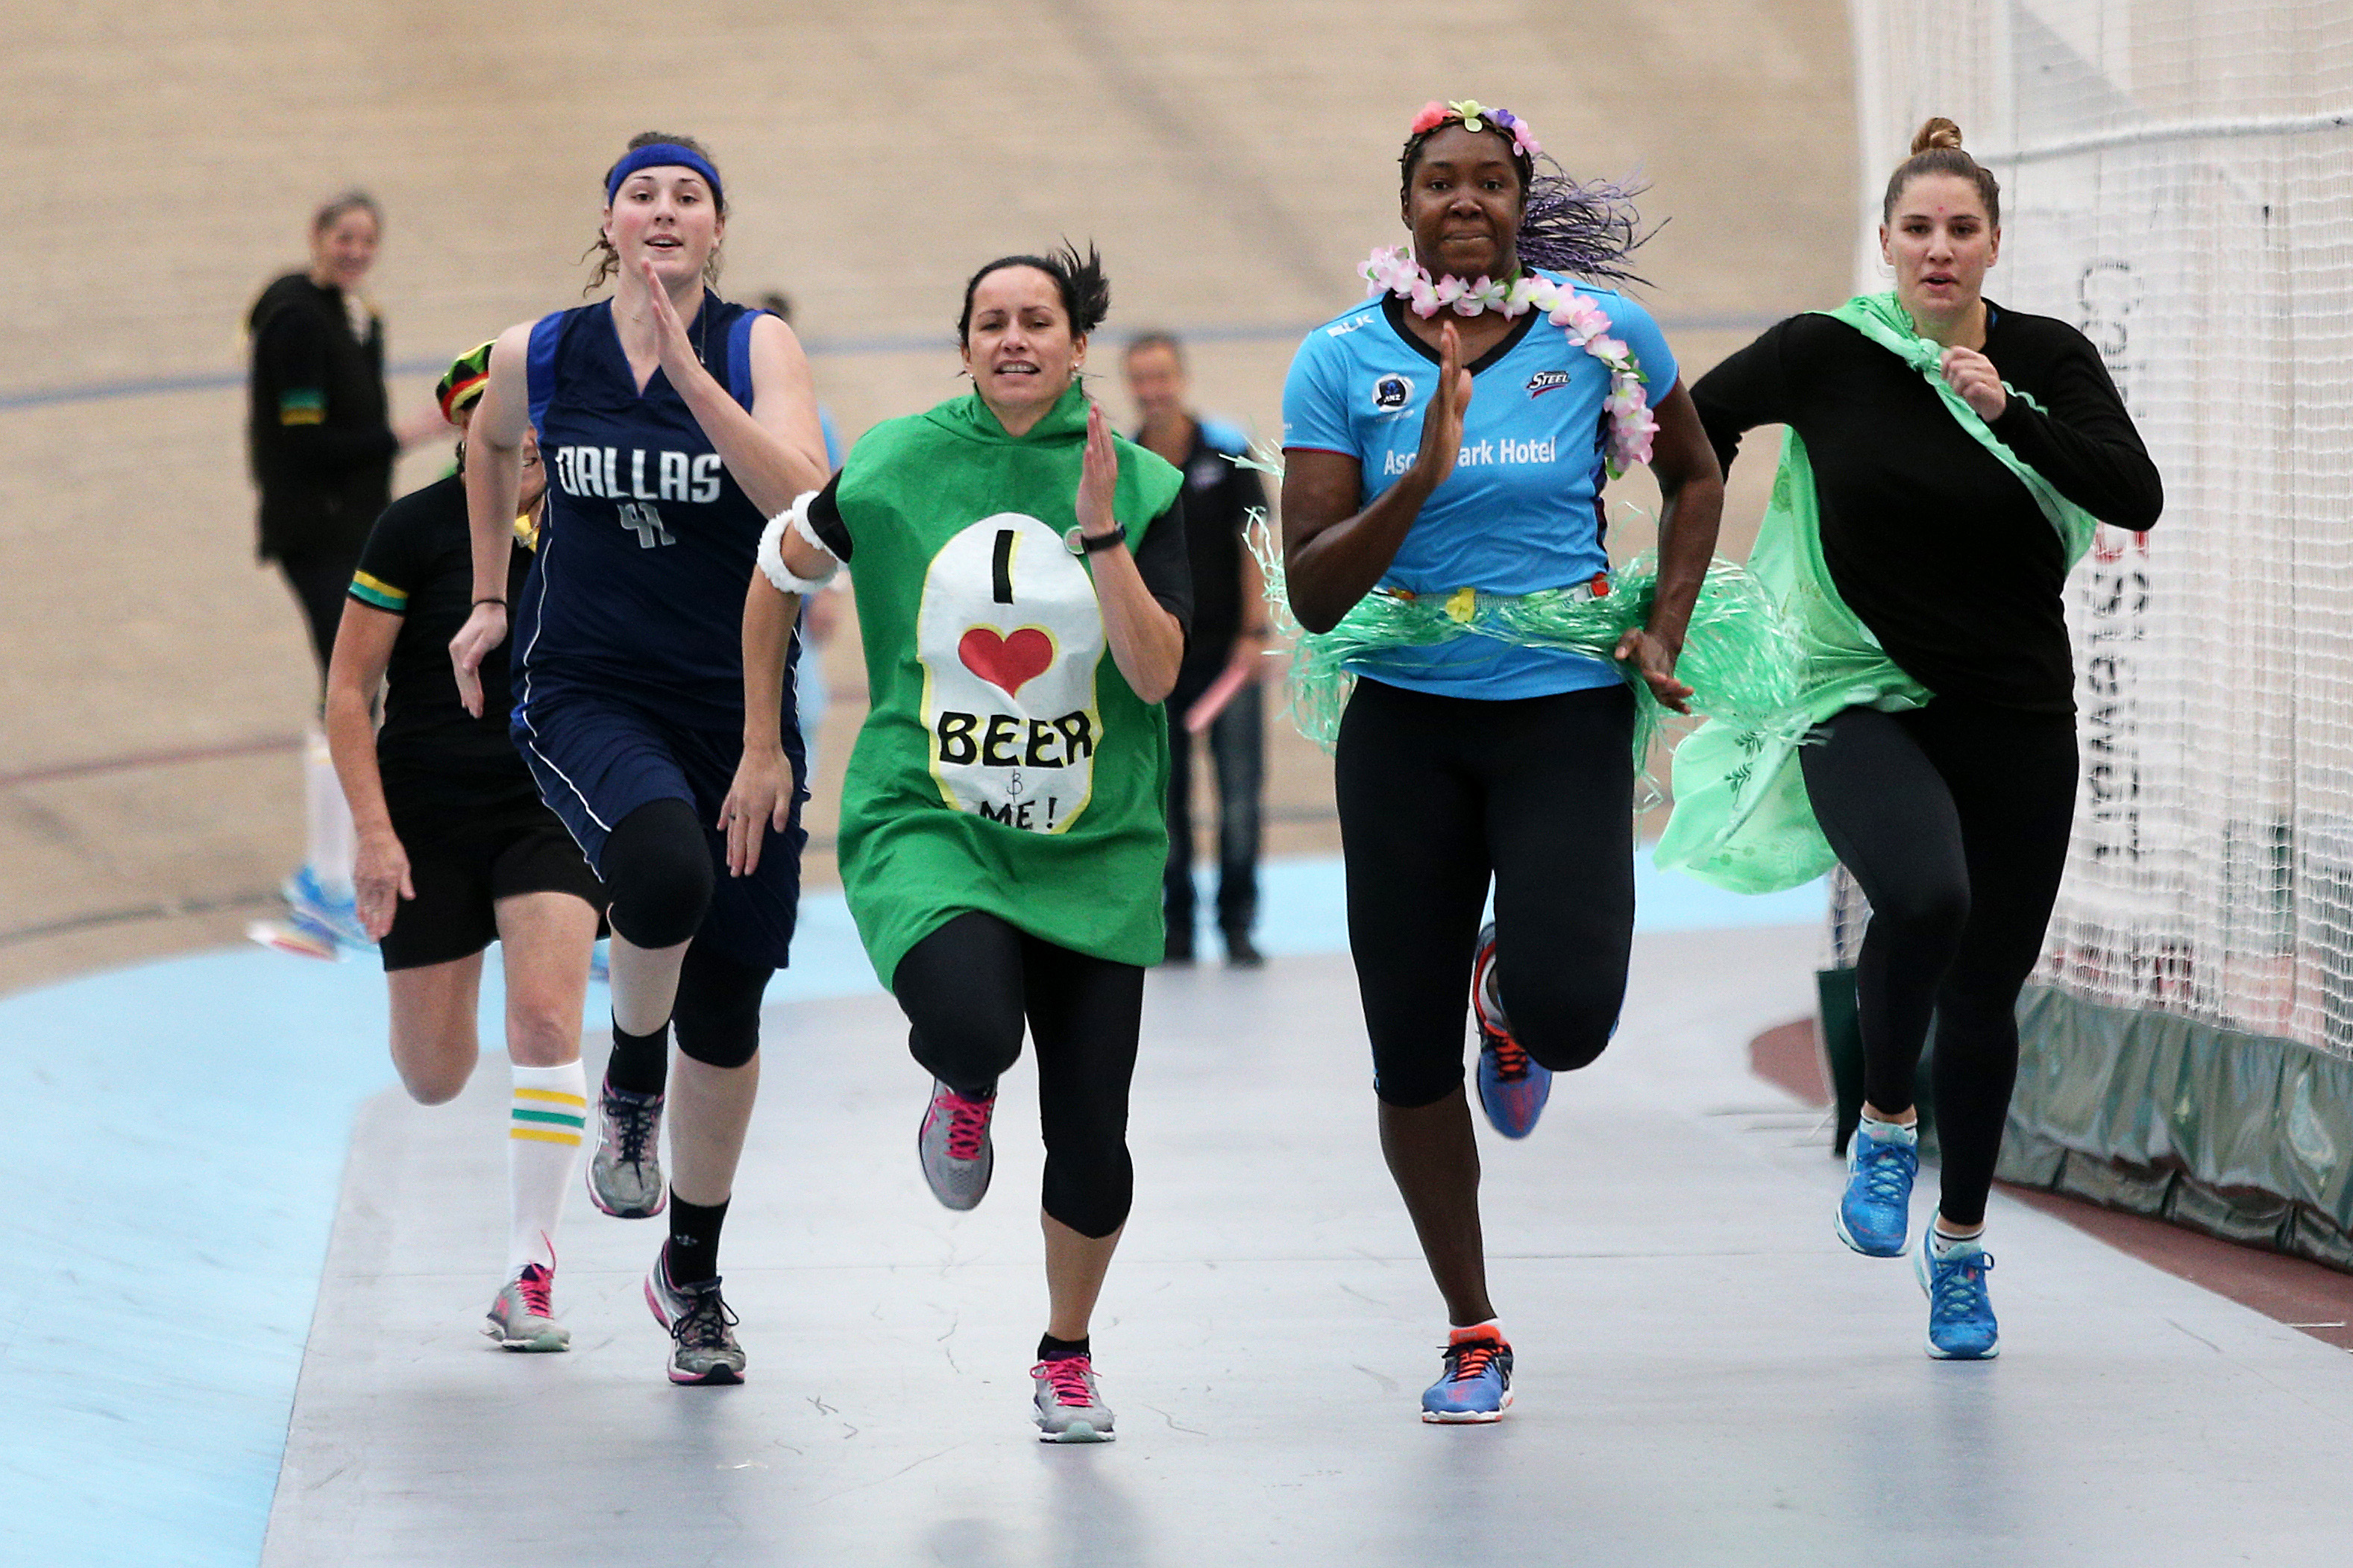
{"points": [[1742, 819], [1005, 765]]}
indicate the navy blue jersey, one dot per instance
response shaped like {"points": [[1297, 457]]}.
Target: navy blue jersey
{"points": [[649, 542]]}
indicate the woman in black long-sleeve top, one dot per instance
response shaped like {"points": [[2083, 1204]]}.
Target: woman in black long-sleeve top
{"points": [[322, 446], [322, 443], [1951, 802]]}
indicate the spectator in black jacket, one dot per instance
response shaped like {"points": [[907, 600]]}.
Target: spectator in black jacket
{"points": [[322, 446]]}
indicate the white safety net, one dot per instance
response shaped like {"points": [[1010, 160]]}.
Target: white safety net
{"points": [[2177, 182]]}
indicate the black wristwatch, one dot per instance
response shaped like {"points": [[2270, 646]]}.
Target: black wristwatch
{"points": [[1080, 543]]}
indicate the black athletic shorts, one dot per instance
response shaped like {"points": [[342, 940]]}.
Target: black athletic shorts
{"points": [[461, 861]]}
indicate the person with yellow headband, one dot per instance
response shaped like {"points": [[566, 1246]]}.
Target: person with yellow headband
{"points": [[456, 851]]}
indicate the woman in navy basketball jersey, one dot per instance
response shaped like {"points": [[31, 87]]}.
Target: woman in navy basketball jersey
{"points": [[629, 678]]}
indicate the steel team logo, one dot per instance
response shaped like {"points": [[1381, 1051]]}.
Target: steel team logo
{"points": [[1545, 381], [1391, 393], [1009, 635]]}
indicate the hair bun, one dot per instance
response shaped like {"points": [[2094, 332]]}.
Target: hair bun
{"points": [[1938, 133]]}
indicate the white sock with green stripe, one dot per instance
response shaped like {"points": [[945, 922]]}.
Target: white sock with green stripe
{"points": [[544, 1127]]}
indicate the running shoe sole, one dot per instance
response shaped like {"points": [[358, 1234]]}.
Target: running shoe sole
{"points": [[295, 937], [1468, 1417], [553, 1338], [717, 1377], [1079, 1432]]}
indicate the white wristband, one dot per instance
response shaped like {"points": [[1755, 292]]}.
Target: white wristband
{"points": [[771, 553]]}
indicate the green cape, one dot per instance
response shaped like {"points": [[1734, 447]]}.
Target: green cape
{"points": [[1741, 817], [1005, 765]]}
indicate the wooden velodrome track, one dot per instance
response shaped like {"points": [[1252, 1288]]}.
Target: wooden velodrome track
{"points": [[1233, 160]]}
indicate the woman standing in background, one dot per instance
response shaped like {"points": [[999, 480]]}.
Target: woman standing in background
{"points": [[322, 444]]}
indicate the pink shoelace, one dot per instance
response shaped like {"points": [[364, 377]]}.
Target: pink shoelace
{"points": [[536, 1285], [1067, 1375], [967, 1124]]}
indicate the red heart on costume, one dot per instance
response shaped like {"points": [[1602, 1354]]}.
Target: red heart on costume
{"points": [[1008, 663]]}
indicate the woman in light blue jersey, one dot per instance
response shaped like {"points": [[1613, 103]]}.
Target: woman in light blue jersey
{"points": [[1479, 759]]}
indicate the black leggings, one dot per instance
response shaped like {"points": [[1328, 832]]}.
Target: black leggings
{"points": [[1436, 795], [967, 988], [1953, 820], [658, 871], [321, 579]]}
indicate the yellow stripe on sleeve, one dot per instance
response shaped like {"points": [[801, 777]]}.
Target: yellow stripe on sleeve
{"points": [[374, 590]]}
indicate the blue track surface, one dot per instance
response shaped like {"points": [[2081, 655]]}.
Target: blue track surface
{"points": [[180, 1143]]}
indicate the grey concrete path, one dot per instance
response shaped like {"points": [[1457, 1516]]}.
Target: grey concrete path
{"points": [[1707, 1377]]}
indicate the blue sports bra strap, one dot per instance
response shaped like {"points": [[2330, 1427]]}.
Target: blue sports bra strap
{"points": [[539, 365], [739, 357]]}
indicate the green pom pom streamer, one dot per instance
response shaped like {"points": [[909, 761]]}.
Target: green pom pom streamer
{"points": [[1740, 658]]}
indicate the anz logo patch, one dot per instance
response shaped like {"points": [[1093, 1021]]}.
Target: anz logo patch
{"points": [[1545, 381], [1391, 393]]}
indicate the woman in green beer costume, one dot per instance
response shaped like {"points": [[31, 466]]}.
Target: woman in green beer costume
{"points": [[1944, 459], [1023, 596]]}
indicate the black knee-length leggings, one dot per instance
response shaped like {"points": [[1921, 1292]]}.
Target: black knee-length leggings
{"points": [[1435, 795], [1953, 819], [968, 987]]}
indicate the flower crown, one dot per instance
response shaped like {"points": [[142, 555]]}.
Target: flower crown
{"points": [[1476, 117]]}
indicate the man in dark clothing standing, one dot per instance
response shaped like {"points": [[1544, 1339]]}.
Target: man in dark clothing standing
{"points": [[1223, 656]]}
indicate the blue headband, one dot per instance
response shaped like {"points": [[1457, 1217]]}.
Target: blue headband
{"points": [[663, 155]]}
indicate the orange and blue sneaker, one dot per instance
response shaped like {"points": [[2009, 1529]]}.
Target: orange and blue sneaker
{"points": [[1477, 1383], [1513, 1089], [1961, 1324]]}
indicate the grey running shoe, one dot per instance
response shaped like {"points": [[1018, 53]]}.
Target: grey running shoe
{"points": [[958, 1157], [1068, 1408], [523, 1317], [625, 1175], [703, 1347]]}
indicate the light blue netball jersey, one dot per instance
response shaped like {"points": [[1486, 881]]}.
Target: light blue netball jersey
{"points": [[1521, 512]]}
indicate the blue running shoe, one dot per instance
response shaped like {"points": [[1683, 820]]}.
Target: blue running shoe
{"points": [[1876, 1207], [1513, 1089], [1477, 1383], [314, 910], [1960, 1313]]}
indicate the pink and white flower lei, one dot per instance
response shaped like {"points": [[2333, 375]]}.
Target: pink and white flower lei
{"points": [[1393, 270]]}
